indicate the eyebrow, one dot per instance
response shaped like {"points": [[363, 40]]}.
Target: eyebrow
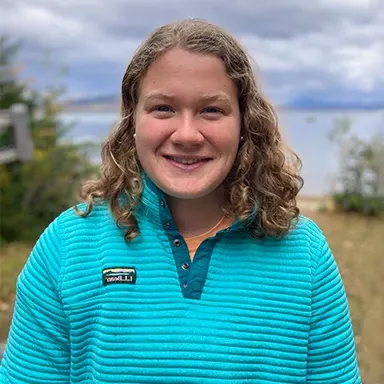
{"points": [[158, 95], [221, 96]]}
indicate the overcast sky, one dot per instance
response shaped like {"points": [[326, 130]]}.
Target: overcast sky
{"points": [[317, 49]]}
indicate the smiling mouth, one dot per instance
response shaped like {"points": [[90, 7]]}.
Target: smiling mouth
{"points": [[187, 161]]}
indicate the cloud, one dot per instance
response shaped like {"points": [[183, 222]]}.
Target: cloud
{"points": [[323, 46], [324, 58]]}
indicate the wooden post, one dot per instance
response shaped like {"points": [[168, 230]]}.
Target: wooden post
{"points": [[18, 118], [22, 132]]}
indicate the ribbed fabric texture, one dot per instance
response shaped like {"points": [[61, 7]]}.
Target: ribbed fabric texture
{"points": [[271, 311]]}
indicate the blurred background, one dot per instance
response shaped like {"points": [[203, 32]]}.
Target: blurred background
{"points": [[320, 62]]}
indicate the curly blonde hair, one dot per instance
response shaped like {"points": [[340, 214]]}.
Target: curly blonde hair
{"points": [[265, 173]]}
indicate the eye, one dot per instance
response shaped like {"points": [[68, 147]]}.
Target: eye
{"points": [[162, 108], [212, 110]]}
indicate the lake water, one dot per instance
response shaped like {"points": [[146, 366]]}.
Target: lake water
{"points": [[306, 132]]}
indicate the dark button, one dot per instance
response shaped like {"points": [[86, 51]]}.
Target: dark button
{"points": [[185, 266], [177, 242], [168, 224], [162, 203]]}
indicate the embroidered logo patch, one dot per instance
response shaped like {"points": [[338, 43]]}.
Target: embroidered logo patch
{"points": [[119, 275]]}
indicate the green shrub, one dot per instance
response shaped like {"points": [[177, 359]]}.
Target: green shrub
{"points": [[353, 202]]}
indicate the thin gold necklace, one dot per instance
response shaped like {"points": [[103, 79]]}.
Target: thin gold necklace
{"points": [[209, 230]]}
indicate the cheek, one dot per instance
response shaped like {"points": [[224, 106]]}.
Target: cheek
{"points": [[150, 133], [226, 139]]}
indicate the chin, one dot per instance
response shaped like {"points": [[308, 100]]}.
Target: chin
{"points": [[188, 192], [185, 196]]}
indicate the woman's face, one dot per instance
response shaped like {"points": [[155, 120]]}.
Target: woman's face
{"points": [[187, 124]]}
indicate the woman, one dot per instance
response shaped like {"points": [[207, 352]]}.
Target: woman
{"points": [[189, 262]]}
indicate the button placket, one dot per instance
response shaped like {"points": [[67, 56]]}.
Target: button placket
{"points": [[179, 250], [196, 285], [202, 262]]}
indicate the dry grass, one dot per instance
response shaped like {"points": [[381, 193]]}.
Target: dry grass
{"points": [[12, 260], [357, 244]]}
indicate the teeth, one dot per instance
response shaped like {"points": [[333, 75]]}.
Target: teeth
{"points": [[185, 161]]}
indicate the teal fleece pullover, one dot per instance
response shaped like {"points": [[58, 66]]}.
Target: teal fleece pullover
{"points": [[92, 308]]}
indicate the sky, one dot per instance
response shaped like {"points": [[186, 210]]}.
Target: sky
{"points": [[306, 51]]}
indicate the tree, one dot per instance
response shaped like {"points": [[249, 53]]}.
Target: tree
{"points": [[361, 169], [32, 194]]}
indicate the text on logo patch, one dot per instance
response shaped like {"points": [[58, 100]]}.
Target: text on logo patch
{"points": [[119, 275]]}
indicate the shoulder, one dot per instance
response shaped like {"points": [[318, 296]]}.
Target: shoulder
{"points": [[320, 251], [303, 230], [70, 224], [304, 240], [308, 228], [99, 213], [305, 237]]}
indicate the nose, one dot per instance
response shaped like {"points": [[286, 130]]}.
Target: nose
{"points": [[187, 131]]}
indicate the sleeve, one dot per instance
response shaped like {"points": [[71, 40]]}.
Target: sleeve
{"points": [[331, 353], [37, 349]]}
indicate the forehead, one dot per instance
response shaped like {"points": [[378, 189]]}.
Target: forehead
{"points": [[183, 73]]}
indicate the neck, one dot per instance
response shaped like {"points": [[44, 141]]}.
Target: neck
{"points": [[196, 216]]}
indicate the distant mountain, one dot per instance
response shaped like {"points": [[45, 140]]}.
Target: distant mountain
{"points": [[102, 99], [95, 103], [108, 102], [316, 103]]}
